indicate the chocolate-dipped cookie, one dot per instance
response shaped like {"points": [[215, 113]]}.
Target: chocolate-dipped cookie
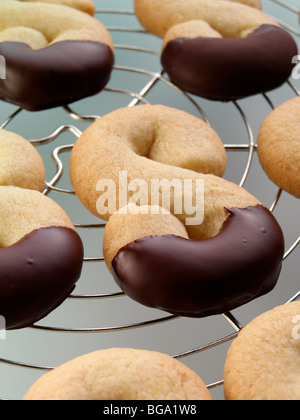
{"points": [[217, 49], [179, 237], [41, 256], [54, 55], [163, 268]]}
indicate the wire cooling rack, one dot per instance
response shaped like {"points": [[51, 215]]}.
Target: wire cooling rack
{"points": [[45, 345]]}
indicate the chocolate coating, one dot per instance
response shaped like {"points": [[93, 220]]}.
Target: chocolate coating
{"points": [[37, 274], [57, 75], [210, 277], [228, 69]]}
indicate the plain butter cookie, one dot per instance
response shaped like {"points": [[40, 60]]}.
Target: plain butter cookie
{"points": [[279, 146], [20, 163], [120, 374], [263, 362]]}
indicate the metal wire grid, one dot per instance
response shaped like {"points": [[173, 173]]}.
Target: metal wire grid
{"points": [[136, 98]]}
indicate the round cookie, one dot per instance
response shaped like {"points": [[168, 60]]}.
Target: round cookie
{"points": [[120, 374], [263, 362], [152, 160], [54, 55], [20, 163], [279, 146], [217, 49], [87, 6], [41, 256]]}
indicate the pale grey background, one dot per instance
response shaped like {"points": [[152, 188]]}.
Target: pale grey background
{"points": [[51, 348]]}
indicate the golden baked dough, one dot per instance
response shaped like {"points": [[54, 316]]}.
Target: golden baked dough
{"points": [[263, 362], [59, 23], [230, 19], [120, 374], [20, 163], [279, 146], [156, 142], [252, 3], [87, 6], [23, 211]]}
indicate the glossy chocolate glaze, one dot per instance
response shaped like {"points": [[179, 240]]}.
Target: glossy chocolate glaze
{"points": [[37, 274], [57, 75], [210, 277], [228, 69]]}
